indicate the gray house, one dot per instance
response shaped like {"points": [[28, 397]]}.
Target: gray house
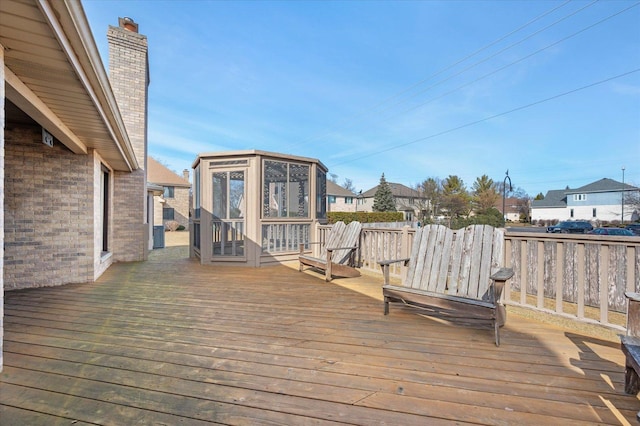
{"points": [[598, 201]]}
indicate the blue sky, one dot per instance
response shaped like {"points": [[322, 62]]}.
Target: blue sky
{"points": [[549, 90]]}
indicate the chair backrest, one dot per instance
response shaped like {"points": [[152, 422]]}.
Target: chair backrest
{"points": [[350, 238], [334, 235], [455, 262]]}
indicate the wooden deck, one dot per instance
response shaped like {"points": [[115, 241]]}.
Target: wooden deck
{"points": [[170, 342]]}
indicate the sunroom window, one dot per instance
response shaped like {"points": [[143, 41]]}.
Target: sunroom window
{"points": [[286, 190]]}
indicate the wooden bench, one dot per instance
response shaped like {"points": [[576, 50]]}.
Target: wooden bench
{"points": [[630, 344], [453, 274], [339, 252]]}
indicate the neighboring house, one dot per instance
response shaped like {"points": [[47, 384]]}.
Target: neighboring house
{"points": [[340, 199], [409, 201], [512, 207], [73, 192], [173, 204], [597, 201]]}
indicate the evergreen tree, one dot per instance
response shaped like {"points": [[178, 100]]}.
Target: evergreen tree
{"points": [[485, 195], [383, 199], [456, 200]]}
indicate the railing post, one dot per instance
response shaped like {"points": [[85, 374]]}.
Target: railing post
{"points": [[319, 238], [604, 283], [523, 272], [405, 250], [508, 263], [405, 245], [580, 280], [559, 276], [540, 284]]}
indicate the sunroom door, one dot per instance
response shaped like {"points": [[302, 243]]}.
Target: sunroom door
{"points": [[229, 205]]}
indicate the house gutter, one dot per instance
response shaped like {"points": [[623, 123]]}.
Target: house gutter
{"points": [[84, 57]]}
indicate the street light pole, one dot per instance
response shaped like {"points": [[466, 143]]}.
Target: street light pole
{"points": [[504, 194], [622, 195]]}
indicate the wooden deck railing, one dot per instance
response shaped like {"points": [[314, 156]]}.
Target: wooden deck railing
{"points": [[381, 244], [581, 277]]}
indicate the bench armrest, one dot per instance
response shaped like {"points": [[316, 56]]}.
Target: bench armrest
{"points": [[384, 264], [503, 274]]}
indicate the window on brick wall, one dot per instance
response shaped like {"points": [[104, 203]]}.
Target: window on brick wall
{"points": [[168, 213], [169, 192]]}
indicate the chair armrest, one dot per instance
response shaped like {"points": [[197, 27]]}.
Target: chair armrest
{"points": [[632, 296], [498, 282], [503, 274], [389, 262], [302, 247], [341, 248], [633, 314]]}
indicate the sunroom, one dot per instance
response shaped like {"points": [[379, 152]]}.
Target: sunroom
{"points": [[255, 207]]}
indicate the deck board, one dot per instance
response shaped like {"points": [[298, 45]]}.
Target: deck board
{"points": [[170, 341]]}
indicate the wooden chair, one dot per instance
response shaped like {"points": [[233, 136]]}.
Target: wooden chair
{"points": [[454, 274], [339, 252], [630, 344]]}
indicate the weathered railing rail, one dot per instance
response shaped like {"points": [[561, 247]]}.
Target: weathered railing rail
{"points": [[581, 277]]}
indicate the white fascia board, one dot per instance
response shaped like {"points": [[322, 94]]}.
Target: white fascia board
{"points": [[108, 109]]}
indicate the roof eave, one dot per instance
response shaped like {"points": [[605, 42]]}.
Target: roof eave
{"points": [[83, 54]]}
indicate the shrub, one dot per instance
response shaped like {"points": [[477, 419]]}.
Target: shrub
{"points": [[491, 217], [365, 217]]}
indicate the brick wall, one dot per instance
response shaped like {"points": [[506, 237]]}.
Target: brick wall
{"points": [[129, 228], [49, 202], [180, 204]]}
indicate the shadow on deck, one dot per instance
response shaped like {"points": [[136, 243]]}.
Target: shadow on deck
{"points": [[170, 341]]}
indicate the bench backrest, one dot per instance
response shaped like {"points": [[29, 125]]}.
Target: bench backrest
{"points": [[455, 262], [350, 238]]}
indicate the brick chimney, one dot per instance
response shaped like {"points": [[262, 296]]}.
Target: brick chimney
{"points": [[185, 174], [129, 77], [128, 24]]}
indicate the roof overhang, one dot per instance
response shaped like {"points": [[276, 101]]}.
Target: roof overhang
{"points": [[257, 153], [155, 189], [53, 72]]}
